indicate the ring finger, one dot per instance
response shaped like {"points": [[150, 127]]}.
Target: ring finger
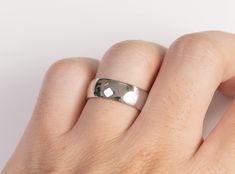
{"points": [[132, 62]]}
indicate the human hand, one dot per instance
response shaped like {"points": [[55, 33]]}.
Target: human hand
{"points": [[69, 134]]}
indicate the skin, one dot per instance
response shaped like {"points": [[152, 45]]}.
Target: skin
{"points": [[70, 134]]}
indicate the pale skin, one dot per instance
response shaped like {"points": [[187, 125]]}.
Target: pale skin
{"points": [[69, 134]]}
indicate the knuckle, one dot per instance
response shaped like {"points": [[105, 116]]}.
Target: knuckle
{"points": [[136, 51], [71, 66], [197, 48]]}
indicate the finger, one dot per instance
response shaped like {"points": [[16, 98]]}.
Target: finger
{"points": [[192, 70], [132, 62], [228, 87], [220, 143], [62, 95]]}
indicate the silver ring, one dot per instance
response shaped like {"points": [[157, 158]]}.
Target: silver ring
{"points": [[117, 91]]}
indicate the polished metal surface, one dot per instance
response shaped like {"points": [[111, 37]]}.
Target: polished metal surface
{"points": [[118, 91]]}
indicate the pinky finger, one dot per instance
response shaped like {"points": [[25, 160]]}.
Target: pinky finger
{"points": [[63, 94]]}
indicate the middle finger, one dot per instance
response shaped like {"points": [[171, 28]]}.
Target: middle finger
{"points": [[192, 70]]}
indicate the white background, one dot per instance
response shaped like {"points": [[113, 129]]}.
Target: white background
{"points": [[33, 34]]}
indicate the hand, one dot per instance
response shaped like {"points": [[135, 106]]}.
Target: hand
{"points": [[69, 134]]}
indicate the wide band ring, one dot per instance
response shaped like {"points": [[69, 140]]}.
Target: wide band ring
{"points": [[117, 91]]}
